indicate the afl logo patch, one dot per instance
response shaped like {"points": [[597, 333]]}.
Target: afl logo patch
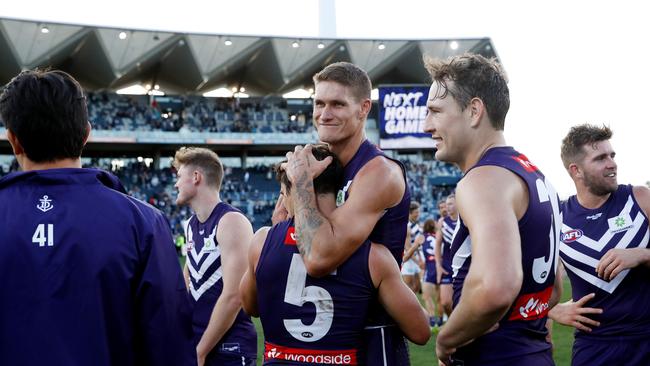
{"points": [[571, 236]]}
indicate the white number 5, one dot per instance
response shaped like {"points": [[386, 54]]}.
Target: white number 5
{"points": [[297, 294]]}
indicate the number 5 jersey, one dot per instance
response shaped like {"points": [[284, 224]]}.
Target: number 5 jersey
{"points": [[309, 320]]}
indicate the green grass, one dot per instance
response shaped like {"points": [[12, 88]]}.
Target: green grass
{"points": [[426, 355]]}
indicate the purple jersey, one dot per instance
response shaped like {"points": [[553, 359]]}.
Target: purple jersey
{"points": [[89, 275], [390, 231], [307, 320], [395, 217], [586, 236], [206, 284], [522, 330], [448, 228], [429, 251]]}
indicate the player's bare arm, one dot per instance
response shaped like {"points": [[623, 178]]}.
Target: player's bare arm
{"points": [[495, 275], [248, 285], [234, 233], [411, 249], [326, 242], [398, 300], [617, 260]]}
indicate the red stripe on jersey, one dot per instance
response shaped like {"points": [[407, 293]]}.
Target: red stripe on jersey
{"points": [[532, 306], [290, 238], [327, 357], [525, 163]]}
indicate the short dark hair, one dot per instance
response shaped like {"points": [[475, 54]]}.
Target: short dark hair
{"points": [[329, 181], [349, 75], [429, 226], [473, 76], [204, 159], [413, 206], [47, 112], [579, 136]]}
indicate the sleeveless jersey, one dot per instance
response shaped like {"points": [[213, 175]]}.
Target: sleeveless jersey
{"points": [[206, 284], [522, 330], [586, 236], [390, 231], [309, 320], [428, 248], [89, 275], [395, 217], [448, 228]]}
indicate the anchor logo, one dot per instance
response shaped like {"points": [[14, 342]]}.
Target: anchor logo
{"points": [[46, 204]]}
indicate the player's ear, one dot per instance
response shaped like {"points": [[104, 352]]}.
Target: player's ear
{"points": [[476, 109], [88, 128], [196, 177], [575, 171], [15, 144]]}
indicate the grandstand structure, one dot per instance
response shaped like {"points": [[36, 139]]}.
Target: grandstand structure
{"points": [[179, 73]]}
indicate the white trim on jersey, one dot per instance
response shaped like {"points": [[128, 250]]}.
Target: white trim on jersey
{"points": [[212, 256], [216, 276], [592, 262], [602, 242]]}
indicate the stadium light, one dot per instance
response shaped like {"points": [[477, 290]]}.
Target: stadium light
{"points": [[122, 35], [45, 29], [218, 93], [453, 45], [295, 44], [381, 46], [136, 89], [321, 45], [227, 42], [157, 87], [297, 94]]}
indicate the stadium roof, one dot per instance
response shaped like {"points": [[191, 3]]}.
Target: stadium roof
{"points": [[103, 58]]}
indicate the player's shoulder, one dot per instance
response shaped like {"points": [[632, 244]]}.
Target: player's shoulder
{"points": [[382, 166], [642, 197]]}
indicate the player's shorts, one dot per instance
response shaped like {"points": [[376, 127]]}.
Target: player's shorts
{"points": [[608, 351], [446, 278], [410, 268], [385, 346], [222, 359], [430, 276]]}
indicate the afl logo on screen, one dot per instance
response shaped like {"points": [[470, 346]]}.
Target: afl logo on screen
{"points": [[571, 236]]}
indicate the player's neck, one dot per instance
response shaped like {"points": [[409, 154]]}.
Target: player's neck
{"points": [[204, 203], [346, 149], [28, 165], [589, 200], [453, 217], [475, 153]]}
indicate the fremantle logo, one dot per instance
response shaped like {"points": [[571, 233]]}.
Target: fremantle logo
{"points": [[46, 204]]}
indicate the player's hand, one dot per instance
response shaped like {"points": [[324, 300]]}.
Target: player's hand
{"points": [[617, 260], [280, 212], [574, 314], [440, 272], [444, 354], [301, 164]]}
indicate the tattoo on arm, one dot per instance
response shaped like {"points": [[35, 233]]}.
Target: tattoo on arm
{"points": [[308, 217]]}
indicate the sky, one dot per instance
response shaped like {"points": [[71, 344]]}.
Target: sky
{"points": [[568, 62]]}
